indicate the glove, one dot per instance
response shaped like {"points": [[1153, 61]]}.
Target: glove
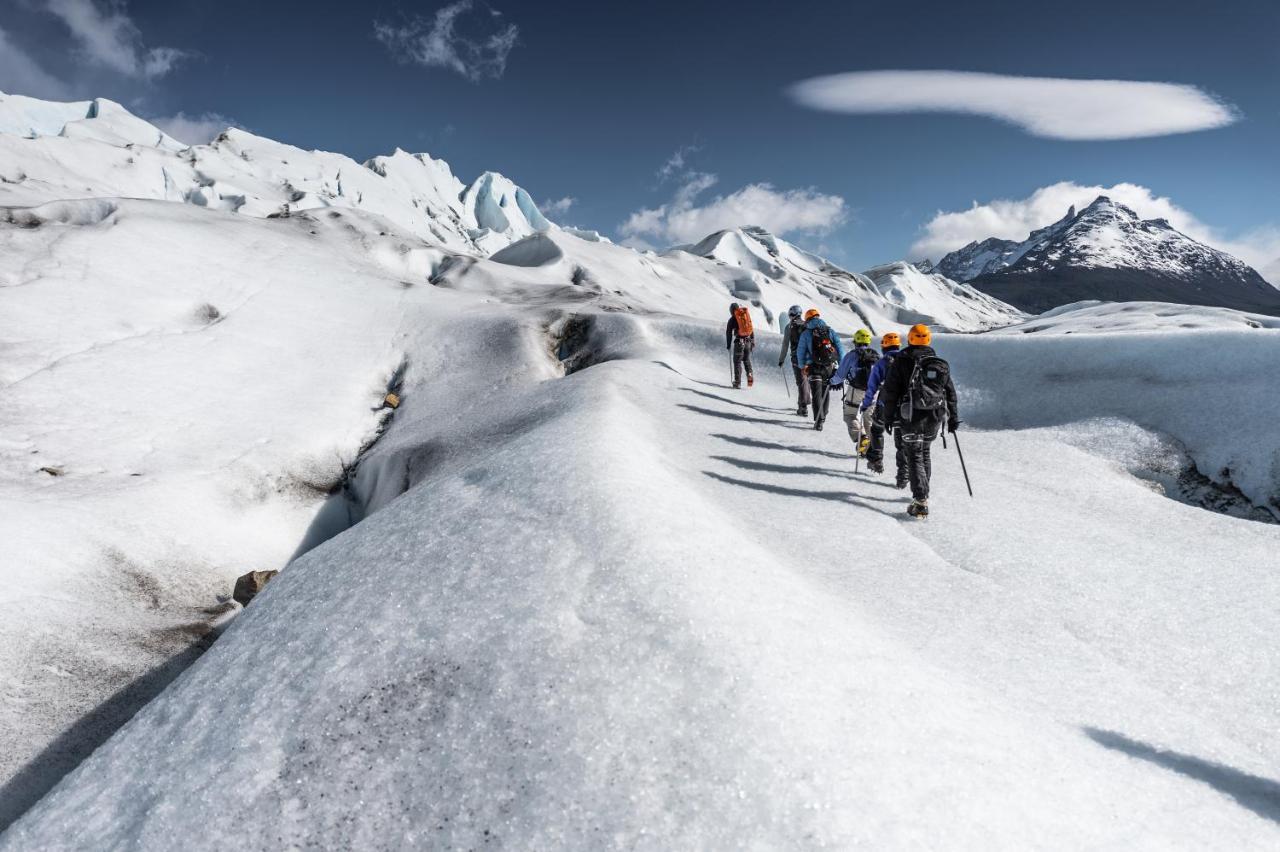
{"points": [[779, 363], [952, 426], [804, 371]]}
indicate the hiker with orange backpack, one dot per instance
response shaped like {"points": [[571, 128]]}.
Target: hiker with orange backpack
{"points": [[819, 353], [740, 337], [919, 397]]}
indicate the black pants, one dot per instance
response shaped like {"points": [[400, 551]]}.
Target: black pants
{"points": [[917, 436], [820, 391], [802, 386], [875, 453], [742, 347]]}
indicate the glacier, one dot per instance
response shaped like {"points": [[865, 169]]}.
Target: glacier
{"points": [[561, 595]]}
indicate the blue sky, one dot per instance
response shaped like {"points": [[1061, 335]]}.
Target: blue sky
{"points": [[589, 100]]}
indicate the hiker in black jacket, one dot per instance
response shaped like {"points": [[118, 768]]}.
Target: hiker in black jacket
{"points": [[740, 337], [790, 343], [919, 397]]}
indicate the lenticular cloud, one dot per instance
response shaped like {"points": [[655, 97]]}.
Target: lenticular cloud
{"points": [[1049, 107]]}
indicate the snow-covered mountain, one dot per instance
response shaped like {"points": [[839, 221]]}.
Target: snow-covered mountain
{"points": [[994, 254], [947, 303], [895, 294], [1105, 251]]}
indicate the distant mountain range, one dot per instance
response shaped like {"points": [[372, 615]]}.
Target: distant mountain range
{"points": [[1107, 252]]}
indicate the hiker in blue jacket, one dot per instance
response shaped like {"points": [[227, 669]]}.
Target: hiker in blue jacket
{"points": [[818, 353], [890, 345]]}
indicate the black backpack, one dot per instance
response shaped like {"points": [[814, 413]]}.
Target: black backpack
{"points": [[824, 351], [927, 388], [861, 376]]}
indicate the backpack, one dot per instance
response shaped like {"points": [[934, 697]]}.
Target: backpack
{"points": [[861, 375], [927, 388], [743, 317], [823, 350]]}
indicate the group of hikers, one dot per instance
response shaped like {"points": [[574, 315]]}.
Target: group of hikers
{"points": [[904, 392]]}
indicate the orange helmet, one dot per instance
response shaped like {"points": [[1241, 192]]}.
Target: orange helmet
{"points": [[919, 335], [891, 338], [810, 314]]}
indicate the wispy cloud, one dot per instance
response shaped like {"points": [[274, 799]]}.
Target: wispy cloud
{"points": [[1013, 219], [557, 207], [676, 163], [1050, 107], [194, 129], [106, 37], [21, 74], [684, 220], [440, 43]]}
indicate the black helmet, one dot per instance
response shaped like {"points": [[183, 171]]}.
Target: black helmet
{"points": [[733, 307]]}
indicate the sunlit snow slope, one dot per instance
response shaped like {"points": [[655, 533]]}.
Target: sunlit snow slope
{"points": [[587, 622]]}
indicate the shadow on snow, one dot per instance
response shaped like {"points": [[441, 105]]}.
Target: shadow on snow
{"points": [[1260, 795]]}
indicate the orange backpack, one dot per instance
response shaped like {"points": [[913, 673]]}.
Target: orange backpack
{"points": [[743, 316]]}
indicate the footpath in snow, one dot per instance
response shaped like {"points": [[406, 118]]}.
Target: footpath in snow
{"points": [[633, 607]]}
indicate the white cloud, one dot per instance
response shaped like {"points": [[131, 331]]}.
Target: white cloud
{"points": [[20, 74], [1051, 107], [107, 37], [558, 207], [1014, 219], [439, 44], [194, 129], [1271, 272], [683, 220]]}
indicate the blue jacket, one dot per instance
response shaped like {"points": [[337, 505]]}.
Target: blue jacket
{"points": [[804, 349], [878, 372], [848, 364]]}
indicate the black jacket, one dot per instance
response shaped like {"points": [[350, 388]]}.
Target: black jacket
{"points": [[790, 340], [897, 382]]}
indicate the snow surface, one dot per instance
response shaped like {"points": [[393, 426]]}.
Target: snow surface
{"points": [[1099, 317], [599, 632], [539, 609]]}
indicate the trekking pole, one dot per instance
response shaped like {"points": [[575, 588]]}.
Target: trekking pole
{"points": [[786, 384], [962, 465]]}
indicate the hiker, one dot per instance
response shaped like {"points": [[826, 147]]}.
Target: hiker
{"points": [[819, 353], [872, 403], [791, 343], [853, 375], [919, 397], [741, 338]]}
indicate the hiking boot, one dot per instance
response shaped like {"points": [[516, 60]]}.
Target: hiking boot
{"points": [[751, 380], [875, 466], [918, 509], [803, 411], [902, 481], [817, 424], [737, 385]]}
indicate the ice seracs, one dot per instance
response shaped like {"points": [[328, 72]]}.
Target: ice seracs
{"points": [[939, 301], [52, 151]]}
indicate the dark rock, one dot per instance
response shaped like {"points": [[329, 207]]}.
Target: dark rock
{"points": [[248, 586]]}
